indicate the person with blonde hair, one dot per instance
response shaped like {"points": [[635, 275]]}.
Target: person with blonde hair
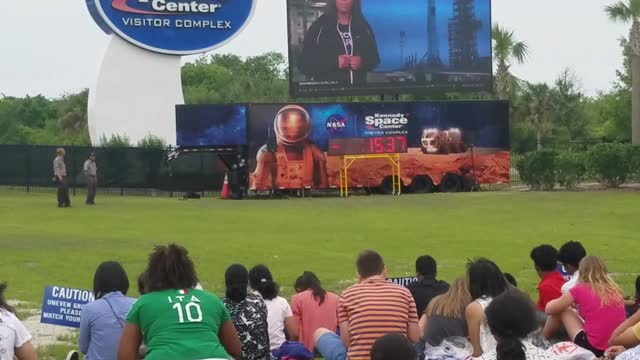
{"points": [[600, 305], [444, 316]]}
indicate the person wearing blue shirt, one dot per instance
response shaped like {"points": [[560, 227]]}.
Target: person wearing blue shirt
{"points": [[102, 320]]}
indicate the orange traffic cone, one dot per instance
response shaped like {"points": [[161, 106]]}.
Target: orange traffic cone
{"points": [[225, 187]]}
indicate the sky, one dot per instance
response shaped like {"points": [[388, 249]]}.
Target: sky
{"points": [[54, 47]]}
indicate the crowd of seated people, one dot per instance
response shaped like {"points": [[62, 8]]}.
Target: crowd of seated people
{"points": [[174, 318]]}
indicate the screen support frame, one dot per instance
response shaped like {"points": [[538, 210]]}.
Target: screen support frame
{"points": [[348, 160]]}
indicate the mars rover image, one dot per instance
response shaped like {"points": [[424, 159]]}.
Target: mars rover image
{"points": [[442, 142]]}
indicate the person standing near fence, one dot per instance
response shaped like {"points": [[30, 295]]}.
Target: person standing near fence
{"points": [[91, 173], [60, 178]]}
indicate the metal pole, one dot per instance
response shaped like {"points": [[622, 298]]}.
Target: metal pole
{"points": [[73, 169], [399, 177], [346, 180], [170, 179], [342, 179], [28, 169]]}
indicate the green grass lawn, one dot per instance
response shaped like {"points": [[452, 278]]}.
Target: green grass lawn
{"points": [[43, 245]]}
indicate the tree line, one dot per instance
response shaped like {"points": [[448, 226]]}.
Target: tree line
{"points": [[540, 113]]}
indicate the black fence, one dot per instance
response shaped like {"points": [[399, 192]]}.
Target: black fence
{"points": [[119, 169], [148, 171]]}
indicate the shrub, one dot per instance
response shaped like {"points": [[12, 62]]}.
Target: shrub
{"points": [[610, 163], [570, 169], [152, 142], [115, 141], [537, 169]]}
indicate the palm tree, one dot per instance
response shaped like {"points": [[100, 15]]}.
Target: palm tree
{"points": [[628, 11], [537, 98], [506, 49]]}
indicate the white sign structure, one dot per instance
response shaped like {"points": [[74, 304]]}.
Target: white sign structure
{"points": [[139, 82], [135, 94]]}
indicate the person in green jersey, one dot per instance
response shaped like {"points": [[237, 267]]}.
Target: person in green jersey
{"points": [[175, 320]]}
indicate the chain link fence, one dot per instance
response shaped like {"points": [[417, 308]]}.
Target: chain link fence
{"points": [[141, 171], [120, 170]]}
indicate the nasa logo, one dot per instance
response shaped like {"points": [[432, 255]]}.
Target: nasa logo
{"points": [[175, 27], [336, 123]]}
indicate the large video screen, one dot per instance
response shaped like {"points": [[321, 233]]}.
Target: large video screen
{"points": [[289, 144], [358, 47], [211, 125]]}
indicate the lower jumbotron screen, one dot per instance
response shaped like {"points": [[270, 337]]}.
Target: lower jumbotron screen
{"points": [[211, 125], [289, 143]]}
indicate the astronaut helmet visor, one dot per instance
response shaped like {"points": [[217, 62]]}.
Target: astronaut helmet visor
{"points": [[293, 125]]}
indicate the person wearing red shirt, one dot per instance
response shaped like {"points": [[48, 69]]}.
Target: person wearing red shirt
{"points": [[313, 308], [545, 260]]}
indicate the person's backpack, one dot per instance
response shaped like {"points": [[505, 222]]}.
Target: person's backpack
{"points": [[631, 354], [452, 348], [567, 350], [292, 350]]}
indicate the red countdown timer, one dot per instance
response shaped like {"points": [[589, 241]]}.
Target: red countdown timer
{"points": [[365, 146]]}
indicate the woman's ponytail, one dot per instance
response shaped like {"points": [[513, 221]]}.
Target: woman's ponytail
{"points": [[511, 317], [236, 279], [3, 302], [237, 293], [268, 290], [510, 348], [261, 280]]}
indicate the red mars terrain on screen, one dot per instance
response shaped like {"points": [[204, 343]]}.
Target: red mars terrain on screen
{"points": [[491, 167]]}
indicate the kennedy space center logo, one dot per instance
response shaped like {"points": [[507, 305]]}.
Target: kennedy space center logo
{"points": [[336, 124], [175, 27], [381, 121], [165, 7]]}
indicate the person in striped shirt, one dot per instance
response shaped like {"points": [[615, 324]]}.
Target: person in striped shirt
{"points": [[369, 310]]}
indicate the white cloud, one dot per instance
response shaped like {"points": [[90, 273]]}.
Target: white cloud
{"points": [[53, 47]]}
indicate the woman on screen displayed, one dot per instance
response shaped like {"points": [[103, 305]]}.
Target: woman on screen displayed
{"points": [[340, 45]]}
